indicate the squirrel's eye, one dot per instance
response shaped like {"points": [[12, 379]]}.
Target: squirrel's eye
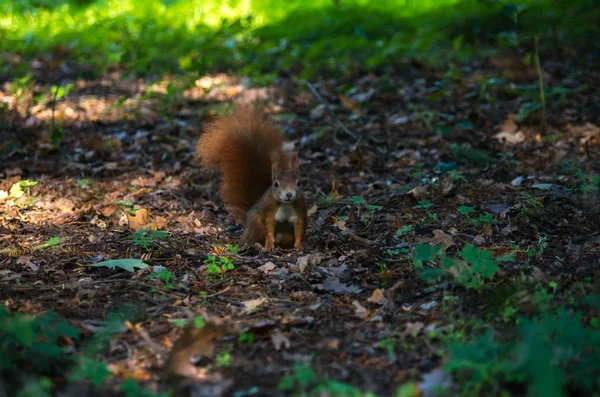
{"points": [[276, 184], [297, 182]]}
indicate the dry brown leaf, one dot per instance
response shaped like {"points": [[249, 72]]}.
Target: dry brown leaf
{"points": [[253, 304], [193, 342], [420, 192], [267, 267], [310, 259], [279, 340], [312, 210], [439, 237], [360, 311], [350, 104], [377, 297], [143, 220], [486, 230], [413, 329], [346, 231]]}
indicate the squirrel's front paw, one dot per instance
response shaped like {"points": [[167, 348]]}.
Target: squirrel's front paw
{"points": [[269, 245], [299, 246]]}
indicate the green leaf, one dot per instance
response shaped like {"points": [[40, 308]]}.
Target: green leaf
{"points": [[125, 264], [466, 210], [52, 242], [199, 322], [425, 252], [430, 275], [403, 230], [95, 371], [179, 322]]}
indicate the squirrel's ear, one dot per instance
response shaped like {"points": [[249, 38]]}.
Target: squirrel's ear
{"points": [[294, 161], [275, 159]]}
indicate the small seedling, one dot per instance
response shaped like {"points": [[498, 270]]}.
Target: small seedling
{"points": [[224, 360], [246, 337], [388, 344], [466, 210], [403, 230], [424, 204], [145, 237], [165, 276], [53, 242], [218, 266], [233, 249]]}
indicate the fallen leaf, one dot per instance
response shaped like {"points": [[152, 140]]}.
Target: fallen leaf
{"points": [[413, 329], [435, 383], [125, 264], [510, 138], [143, 220], [318, 111], [350, 104], [346, 231], [361, 311], [505, 231], [279, 340], [478, 240], [267, 267], [377, 297], [334, 285], [486, 230], [193, 342], [253, 304], [420, 192], [439, 237], [310, 259], [312, 210]]}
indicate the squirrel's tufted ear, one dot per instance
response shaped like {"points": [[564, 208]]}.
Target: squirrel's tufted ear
{"points": [[294, 161], [275, 160]]}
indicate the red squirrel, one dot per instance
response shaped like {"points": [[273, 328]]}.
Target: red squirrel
{"points": [[260, 181]]}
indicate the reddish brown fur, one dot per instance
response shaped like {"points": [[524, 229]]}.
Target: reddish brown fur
{"points": [[237, 146], [247, 149]]}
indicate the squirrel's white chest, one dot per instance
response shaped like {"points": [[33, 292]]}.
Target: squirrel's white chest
{"points": [[285, 213]]}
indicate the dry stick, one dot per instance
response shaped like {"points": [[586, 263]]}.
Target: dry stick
{"points": [[538, 70], [331, 112]]}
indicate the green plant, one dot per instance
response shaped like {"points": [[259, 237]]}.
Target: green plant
{"points": [[329, 200], [132, 389], [304, 381], [389, 345], [466, 210], [224, 359], [58, 92], [246, 337], [403, 230], [145, 237], [548, 355], [164, 275], [53, 242], [33, 342], [233, 249], [471, 271], [218, 266], [424, 204], [20, 192]]}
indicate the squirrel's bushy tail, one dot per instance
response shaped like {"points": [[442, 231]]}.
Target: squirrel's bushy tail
{"points": [[240, 146]]}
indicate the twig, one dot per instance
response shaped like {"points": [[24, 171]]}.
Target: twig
{"points": [[331, 112], [538, 69]]}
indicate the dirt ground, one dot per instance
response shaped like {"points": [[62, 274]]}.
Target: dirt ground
{"points": [[377, 187]]}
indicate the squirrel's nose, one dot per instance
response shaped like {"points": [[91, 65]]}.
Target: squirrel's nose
{"points": [[289, 194]]}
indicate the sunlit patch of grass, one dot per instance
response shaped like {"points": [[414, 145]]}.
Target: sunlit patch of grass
{"points": [[150, 37]]}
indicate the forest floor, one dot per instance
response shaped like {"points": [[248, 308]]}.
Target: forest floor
{"points": [[441, 214]]}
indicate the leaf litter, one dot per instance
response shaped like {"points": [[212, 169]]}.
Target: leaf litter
{"points": [[120, 173]]}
